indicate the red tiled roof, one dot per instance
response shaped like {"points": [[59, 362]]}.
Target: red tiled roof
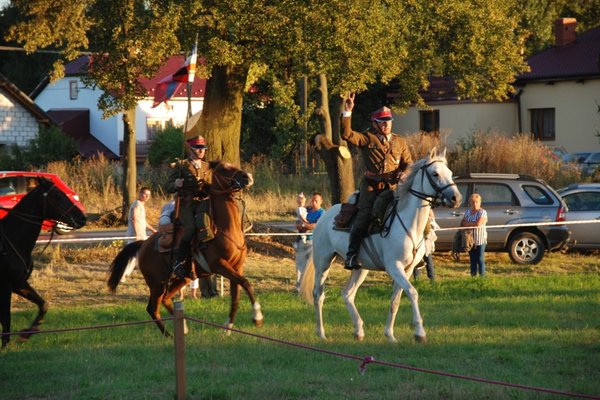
{"points": [[577, 60], [75, 122], [77, 67]]}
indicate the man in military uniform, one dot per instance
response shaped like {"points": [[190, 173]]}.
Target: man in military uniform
{"points": [[189, 180], [386, 157]]}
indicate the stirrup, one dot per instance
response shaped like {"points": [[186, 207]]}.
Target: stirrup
{"points": [[179, 270], [352, 263]]}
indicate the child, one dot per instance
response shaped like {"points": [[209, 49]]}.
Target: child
{"points": [[301, 214]]}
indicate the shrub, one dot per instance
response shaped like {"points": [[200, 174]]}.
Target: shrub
{"points": [[166, 147]]}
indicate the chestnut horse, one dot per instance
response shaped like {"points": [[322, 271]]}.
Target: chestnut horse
{"points": [[19, 230], [225, 254]]}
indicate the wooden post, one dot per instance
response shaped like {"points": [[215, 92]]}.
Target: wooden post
{"points": [[179, 341]]}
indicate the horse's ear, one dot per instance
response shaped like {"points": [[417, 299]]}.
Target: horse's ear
{"points": [[433, 153], [443, 153]]}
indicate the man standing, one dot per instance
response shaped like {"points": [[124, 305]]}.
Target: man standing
{"points": [[189, 181], [386, 157], [304, 247], [137, 225]]}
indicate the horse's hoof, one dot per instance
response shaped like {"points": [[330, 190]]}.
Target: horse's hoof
{"points": [[26, 334], [420, 339], [258, 323], [359, 338], [391, 339]]}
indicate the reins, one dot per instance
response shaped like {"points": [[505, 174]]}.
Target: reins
{"points": [[232, 187], [430, 198]]}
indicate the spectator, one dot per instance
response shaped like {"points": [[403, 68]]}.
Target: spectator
{"points": [[385, 156], [137, 225], [301, 213], [477, 218], [304, 249], [430, 238]]}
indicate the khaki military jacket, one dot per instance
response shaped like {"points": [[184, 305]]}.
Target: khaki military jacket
{"points": [[195, 175], [382, 158]]}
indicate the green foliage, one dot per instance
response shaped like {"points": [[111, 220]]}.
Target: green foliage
{"points": [[50, 145], [166, 147]]}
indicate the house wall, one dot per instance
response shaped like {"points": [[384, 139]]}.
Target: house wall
{"points": [[460, 120], [110, 131], [577, 117], [17, 125]]}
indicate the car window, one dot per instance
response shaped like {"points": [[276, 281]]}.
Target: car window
{"points": [[7, 186], [583, 201], [495, 194], [594, 158], [538, 195], [463, 188]]}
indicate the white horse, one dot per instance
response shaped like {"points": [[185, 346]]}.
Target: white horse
{"points": [[396, 251]]}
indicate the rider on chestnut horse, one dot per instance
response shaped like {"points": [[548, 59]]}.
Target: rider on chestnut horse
{"points": [[190, 180]]}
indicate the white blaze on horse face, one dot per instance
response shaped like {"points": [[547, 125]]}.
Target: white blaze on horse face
{"points": [[250, 179]]}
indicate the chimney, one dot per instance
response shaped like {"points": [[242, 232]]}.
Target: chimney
{"points": [[564, 31]]}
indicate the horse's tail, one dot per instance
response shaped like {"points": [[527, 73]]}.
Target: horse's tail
{"points": [[307, 282], [119, 264]]}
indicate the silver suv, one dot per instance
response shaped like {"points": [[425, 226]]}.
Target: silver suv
{"points": [[510, 199]]}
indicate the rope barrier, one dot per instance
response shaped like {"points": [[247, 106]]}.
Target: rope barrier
{"points": [[85, 328], [531, 224], [361, 369], [371, 360]]}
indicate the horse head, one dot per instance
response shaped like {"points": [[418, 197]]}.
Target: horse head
{"points": [[439, 187], [227, 178], [56, 205]]}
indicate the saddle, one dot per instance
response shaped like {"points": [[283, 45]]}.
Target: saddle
{"points": [[167, 236], [381, 209]]}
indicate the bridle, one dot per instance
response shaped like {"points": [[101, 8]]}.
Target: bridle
{"points": [[435, 198], [228, 184], [35, 220]]}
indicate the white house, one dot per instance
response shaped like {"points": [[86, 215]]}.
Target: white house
{"points": [[20, 118], [68, 98], [558, 101]]}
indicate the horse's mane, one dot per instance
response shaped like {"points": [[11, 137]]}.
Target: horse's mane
{"points": [[403, 188]]}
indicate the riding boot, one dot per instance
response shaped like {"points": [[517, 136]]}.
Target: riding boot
{"points": [[356, 237], [181, 255]]}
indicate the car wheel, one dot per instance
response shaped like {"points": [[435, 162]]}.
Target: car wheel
{"points": [[526, 248], [62, 229]]}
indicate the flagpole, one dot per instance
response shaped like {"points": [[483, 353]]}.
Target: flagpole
{"points": [[190, 82]]}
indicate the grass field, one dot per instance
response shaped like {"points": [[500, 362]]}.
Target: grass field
{"points": [[536, 326]]}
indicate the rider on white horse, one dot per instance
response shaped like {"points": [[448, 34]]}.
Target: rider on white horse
{"points": [[386, 157]]}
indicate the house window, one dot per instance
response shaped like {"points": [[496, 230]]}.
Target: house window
{"points": [[429, 121], [156, 125], [73, 90], [542, 123]]}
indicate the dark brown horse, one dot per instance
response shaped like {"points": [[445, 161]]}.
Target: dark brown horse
{"points": [[19, 230], [225, 254]]}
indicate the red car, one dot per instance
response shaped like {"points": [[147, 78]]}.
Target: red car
{"points": [[15, 184]]}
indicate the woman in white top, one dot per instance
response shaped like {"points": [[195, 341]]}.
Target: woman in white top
{"points": [[477, 218]]}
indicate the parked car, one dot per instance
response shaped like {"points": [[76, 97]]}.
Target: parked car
{"points": [[577, 157], [583, 201], [510, 199], [591, 163], [15, 184]]}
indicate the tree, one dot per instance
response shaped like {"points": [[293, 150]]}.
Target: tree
{"points": [[354, 43], [118, 35]]}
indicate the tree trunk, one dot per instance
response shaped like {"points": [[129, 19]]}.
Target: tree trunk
{"points": [[221, 119], [129, 163], [335, 154]]}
